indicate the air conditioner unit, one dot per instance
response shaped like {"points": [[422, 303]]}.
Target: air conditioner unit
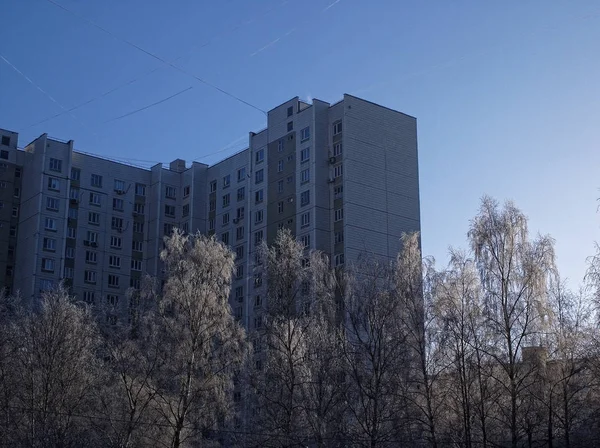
{"points": [[236, 220], [120, 192], [330, 180], [120, 229], [290, 199], [94, 244], [74, 201], [86, 243], [331, 160]]}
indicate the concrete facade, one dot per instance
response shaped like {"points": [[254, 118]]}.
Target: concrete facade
{"points": [[343, 178]]}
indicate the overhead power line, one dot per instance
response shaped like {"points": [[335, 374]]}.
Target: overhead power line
{"points": [[149, 105], [195, 48], [158, 58]]}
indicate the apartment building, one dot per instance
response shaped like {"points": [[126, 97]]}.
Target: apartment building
{"points": [[342, 177]]}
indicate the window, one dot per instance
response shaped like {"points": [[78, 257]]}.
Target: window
{"points": [[116, 242], [338, 192], [240, 213], [213, 186], [135, 283], [339, 214], [167, 229], [89, 276], [337, 128], [259, 156], [226, 200], [258, 322], [280, 207], [95, 199], [186, 191], [75, 174], [138, 227], [49, 224], [305, 175], [305, 219], [13, 229], [96, 181], [52, 204], [3, 153], [258, 237], [290, 126], [185, 227], [305, 198], [257, 300], [17, 172], [239, 233], [225, 237], [241, 174], [116, 223], [119, 186], [74, 194], [239, 271], [55, 165], [49, 244], [305, 134], [73, 213], [290, 111], [114, 261], [280, 186], [211, 224], [2, 184], [239, 253], [136, 265], [290, 179], [337, 171], [225, 219], [170, 192], [304, 155], [70, 253], [241, 193], [118, 204], [94, 218], [338, 259], [15, 211], [280, 145], [6, 140], [239, 293], [69, 272], [226, 181], [89, 296], [53, 184], [170, 211], [140, 189], [337, 149], [112, 299], [92, 237], [71, 232], [185, 210], [113, 281], [280, 166], [212, 205], [258, 197], [305, 240], [259, 176], [138, 246], [339, 237], [139, 208], [91, 257], [257, 280], [258, 216], [46, 285]]}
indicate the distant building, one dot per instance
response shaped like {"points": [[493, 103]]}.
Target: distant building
{"points": [[342, 177]]}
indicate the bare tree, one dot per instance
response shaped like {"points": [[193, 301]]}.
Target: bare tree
{"points": [[514, 274], [297, 391], [58, 369], [202, 346]]}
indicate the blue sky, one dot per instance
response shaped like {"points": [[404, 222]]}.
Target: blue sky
{"points": [[507, 94]]}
